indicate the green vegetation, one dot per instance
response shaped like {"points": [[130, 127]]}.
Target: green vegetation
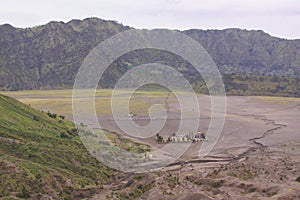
{"points": [[277, 100], [135, 191], [126, 144], [42, 155], [251, 62], [261, 85], [172, 181], [159, 138], [63, 47], [52, 115], [61, 103], [139, 190], [217, 184], [242, 173]]}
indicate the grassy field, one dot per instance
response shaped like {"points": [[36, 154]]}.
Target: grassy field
{"points": [[60, 101], [68, 93], [276, 100]]}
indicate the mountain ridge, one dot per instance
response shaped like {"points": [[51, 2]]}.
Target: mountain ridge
{"points": [[48, 56]]}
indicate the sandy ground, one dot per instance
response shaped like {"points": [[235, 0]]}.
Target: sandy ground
{"points": [[256, 157], [270, 173], [250, 122]]}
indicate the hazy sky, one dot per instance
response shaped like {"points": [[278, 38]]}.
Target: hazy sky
{"points": [[277, 17]]}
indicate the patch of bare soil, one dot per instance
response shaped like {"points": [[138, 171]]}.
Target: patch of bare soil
{"points": [[269, 174], [257, 157]]}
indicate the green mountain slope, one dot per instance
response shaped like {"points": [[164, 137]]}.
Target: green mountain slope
{"points": [[49, 56], [252, 52], [41, 156]]}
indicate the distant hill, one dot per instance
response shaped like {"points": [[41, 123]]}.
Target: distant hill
{"points": [[251, 52], [41, 156], [48, 56]]}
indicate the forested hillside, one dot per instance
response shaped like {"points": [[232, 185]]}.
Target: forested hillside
{"points": [[48, 56]]}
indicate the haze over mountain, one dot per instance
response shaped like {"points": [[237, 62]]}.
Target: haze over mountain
{"points": [[48, 56]]}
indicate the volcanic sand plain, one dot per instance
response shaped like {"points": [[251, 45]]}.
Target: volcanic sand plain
{"points": [[256, 156]]}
